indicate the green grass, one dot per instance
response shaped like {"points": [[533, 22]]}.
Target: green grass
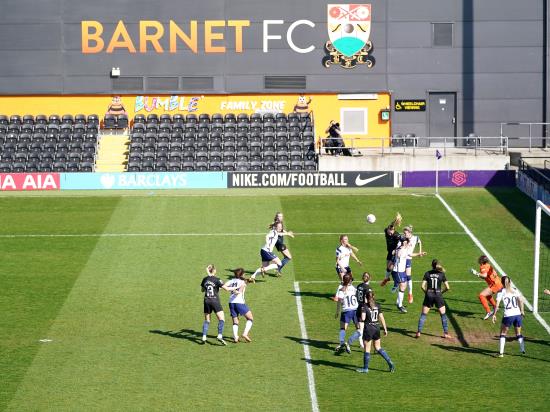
{"points": [[124, 313]]}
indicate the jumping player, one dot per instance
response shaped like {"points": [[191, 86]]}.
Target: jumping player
{"points": [[513, 314], [494, 285], [238, 307], [343, 254], [361, 294], [280, 245], [211, 285], [372, 317], [392, 241], [413, 241], [269, 259], [399, 274], [434, 285], [346, 308]]}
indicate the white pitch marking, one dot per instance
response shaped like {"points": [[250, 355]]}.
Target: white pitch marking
{"points": [[486, 253], [307, 356], [50, 235]]}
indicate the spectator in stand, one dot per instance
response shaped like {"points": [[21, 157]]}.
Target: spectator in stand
{"points": [[116, 107], [334, 140]]}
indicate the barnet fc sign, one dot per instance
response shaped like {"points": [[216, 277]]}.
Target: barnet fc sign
{"points": [[348, 30]]}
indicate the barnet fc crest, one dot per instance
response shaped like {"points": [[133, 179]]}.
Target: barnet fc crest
{"points": [[348, 30]]}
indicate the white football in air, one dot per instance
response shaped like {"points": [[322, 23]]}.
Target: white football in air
{"points": [[371, 218]]}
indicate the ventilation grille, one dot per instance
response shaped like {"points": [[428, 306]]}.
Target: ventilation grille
{"points": [[197, 83], [128, 83], [162, 83], [285, 82], [442, 34]]}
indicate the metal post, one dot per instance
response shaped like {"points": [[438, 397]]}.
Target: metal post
{"points": [[530, 124], [436, 174], [537, 261]]}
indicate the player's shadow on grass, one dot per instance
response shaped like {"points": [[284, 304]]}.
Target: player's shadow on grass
{"points": [[484, 352], [312, 294], [331, 364], [320, 344], [401, 331], [536, 341], [232, 271], [187, 334], [468, 349], [350, 367]]}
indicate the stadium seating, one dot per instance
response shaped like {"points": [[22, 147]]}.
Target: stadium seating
{"points": [[222, 142], [48, 144]]}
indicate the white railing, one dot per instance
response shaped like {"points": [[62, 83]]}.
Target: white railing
{"points": [[412, 144]]}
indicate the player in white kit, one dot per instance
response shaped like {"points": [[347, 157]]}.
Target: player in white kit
{"points": [[238, 306], [413, 241], [343, 254], [403, 254], [513, 314], [346, 309], [269, 259]]}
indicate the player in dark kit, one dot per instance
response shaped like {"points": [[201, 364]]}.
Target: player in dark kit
{"points": [[361, 292], [211, 285], [434, 285], [392, 241], [372, 317]]}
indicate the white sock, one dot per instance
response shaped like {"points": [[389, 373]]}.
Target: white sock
{"points": [[255, 273], [502, 343], [247, 327], [410, 283], [521, 343], [400, 296], [235, 331], [272, 266]]}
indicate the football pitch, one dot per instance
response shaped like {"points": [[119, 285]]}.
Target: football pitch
{"points": [[102, 309]]}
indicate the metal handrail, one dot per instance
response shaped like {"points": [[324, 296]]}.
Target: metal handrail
{"points": [[530, 124], [387, 144], [540, 178]]}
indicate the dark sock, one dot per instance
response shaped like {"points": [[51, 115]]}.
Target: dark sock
{"points": [[386, 357], [366, 360], [421, 322], [221, 323], [284, 262], [205, 326], [444, 323]]}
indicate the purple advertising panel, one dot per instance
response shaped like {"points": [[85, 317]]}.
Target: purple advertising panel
{"points": [[459, 178]]}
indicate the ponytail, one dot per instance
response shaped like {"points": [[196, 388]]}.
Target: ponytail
{"points": [[371, 302], [436, 265]]}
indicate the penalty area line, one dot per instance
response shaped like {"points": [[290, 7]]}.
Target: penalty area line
{"points": [[307, 355], [486, 253], [76, 235], [414, 281]]}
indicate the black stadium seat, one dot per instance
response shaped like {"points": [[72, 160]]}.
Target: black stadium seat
{"points": [[220, 142]]}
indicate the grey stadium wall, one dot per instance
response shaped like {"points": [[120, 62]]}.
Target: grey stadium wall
{"points": [[496, 61]]}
